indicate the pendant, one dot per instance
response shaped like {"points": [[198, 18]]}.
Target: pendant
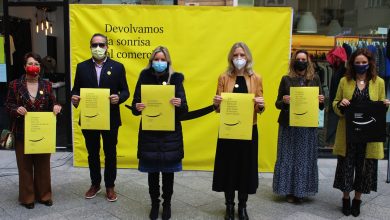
{"points": [[236, 86]]}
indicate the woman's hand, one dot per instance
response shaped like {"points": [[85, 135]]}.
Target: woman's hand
{"points": [[140, 106], [21, 110], [321, 98], [217, 100], [386, 102], [176, 102], [345, 102], [286, 99], [57, 109], [259, 101]]}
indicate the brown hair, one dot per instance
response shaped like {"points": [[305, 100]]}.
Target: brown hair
{"points": [[33, 55], [309, 73], [371, 72]]}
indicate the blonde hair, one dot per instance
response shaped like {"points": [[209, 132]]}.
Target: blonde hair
{"points": [[249, 60], [165, 51], [309, 73]]}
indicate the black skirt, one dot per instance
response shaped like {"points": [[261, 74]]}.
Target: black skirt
{"points": [[235, 166]]}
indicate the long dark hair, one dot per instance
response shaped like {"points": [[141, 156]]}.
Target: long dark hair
{"points": [[371, 72], [309, 74]]}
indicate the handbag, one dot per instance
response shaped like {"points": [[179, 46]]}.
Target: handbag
{"points": [[7, 140]]}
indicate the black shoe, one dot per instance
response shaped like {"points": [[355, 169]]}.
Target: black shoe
{"points": [[346, 206], [154, 211], [242, 214], [355, 209], [166, 214], [47, 203], [29, 205], [229, 212]]}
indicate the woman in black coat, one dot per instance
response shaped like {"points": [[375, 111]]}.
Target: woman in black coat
{"points": [[160, 151]]}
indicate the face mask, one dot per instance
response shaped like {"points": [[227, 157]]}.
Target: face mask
{"points": [[98, 53], [239, 63], [300, 65], [33, 70], [361, 69], [159, 66]]}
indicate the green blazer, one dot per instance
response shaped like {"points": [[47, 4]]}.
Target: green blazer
{"points": [[346, 88]]}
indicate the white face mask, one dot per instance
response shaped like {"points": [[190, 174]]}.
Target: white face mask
{"points": [[239, 63], [98, 53]]}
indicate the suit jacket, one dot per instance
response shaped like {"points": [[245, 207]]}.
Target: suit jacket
{"points": [[18, 95], [254, 83], [113, 77], [376, 90], [284, 89]]}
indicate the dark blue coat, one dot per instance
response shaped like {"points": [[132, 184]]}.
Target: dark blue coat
{"points": [[161, 145]]}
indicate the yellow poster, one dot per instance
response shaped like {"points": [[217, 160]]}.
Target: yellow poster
{"points": [[95, 109], [159, 113], [236, 116], [187, 32], [2, 54], [304, 106], [39, 133]]}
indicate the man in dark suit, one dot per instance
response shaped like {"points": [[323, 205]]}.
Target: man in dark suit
{"points": [[102, 72]]}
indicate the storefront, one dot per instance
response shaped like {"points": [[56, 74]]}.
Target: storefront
{"points": [[318, 26]]}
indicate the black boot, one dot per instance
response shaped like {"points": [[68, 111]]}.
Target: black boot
{"points": [[347, 206], [242, 213], [355, 209], [229, 201], [167, 179], [154, 192]]}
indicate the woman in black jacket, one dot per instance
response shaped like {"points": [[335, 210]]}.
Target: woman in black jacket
{"points": [[160, 151]]}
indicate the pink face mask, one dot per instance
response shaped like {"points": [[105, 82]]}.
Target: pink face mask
{"points": [[33, 70]]}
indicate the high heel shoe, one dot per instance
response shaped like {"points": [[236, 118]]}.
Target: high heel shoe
{"points": [[28, 205], [355, 209], [346, 206], [47, 203]]}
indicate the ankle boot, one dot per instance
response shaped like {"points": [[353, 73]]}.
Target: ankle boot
{"points": [[154, 192], [242, 199], [167, 179], [229, 201], [346, 206], [355, 209]]}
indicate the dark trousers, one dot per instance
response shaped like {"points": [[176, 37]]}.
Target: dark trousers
{"points": [[92, 141], [167, 187], [355, 171], [34, 175]]}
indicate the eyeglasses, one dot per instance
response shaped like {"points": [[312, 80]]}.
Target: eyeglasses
{"points": [[94, 45]]}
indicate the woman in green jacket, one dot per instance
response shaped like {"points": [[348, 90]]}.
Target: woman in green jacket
{"points": [[357, 163]]}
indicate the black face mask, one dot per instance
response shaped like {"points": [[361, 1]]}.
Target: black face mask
{"points": [[300, 65]]}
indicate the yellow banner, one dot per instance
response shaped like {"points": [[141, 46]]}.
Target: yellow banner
{"points": [[199, 40], [39, 133], [95, 109], [2, 54], [304, 106], [236, 116], [159, 113]]}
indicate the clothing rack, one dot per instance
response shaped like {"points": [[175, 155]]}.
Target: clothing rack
{"points": [[339, 40]]}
